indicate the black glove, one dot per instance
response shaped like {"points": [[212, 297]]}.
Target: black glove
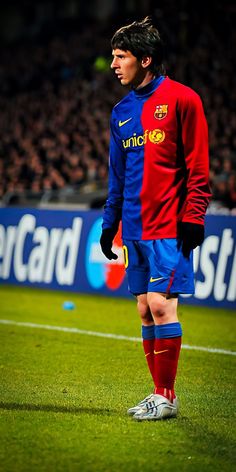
{"points": [[106, 239], [191, 235]]}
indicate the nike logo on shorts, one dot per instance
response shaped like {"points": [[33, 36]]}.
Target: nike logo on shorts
{"points": [[155, 280]]}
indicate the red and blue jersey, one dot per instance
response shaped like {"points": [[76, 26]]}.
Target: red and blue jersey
{"points": [[158, 170]]}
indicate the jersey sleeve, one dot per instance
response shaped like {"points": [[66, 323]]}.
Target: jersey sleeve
{"points": [[195, 149], [113, 206]]}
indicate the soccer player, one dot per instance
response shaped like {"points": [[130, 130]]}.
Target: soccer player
{"points": [[158, 187]]}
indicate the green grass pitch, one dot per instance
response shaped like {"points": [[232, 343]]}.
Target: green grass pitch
{"points": [[64, 395]]}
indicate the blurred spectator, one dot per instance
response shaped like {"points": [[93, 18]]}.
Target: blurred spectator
{"points": [[55, 107]]}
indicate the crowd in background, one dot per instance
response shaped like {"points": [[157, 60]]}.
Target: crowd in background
{"points": [[56, 96]]}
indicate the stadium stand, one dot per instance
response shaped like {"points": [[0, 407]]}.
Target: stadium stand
{"points": [[55, 102]]}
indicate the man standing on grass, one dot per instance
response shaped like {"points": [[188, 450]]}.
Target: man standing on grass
{"points": [[158, 187]]}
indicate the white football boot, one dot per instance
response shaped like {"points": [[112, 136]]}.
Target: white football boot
{"points": [[140, 405], [157, 408]]}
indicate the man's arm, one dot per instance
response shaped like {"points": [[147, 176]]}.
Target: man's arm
{"points": [[113, 206], [195, 148]]}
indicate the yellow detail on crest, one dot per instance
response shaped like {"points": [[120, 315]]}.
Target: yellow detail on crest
{"points": [[161, 112]]}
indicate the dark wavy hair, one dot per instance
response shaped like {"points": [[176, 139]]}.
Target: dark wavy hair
{"points": [[141, 38]]}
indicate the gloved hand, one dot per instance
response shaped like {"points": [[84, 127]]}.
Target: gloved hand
{"points": [[106, 240], [191, 235]]}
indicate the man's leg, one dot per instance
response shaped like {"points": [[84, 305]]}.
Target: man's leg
{"points": [[137, 268], [163, 403], [148, 335], [170, 273], [148, 331], [167, 343]]}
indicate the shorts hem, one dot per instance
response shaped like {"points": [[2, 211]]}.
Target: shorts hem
{"points": [[170, 292]]}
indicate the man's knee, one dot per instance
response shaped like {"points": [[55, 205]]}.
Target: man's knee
{"points": [[164, 310], [144, 309], [158, 306]]}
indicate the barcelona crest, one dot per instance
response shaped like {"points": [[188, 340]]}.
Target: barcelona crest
{"points": [[161, 112]]}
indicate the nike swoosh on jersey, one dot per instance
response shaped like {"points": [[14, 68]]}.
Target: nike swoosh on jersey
{"points": [[159, 352], [122, 123], [155, 280]]}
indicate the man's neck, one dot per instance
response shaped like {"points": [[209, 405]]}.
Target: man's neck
{"points": [[148, 78]]}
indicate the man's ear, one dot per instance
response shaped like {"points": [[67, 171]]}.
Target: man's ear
{"points": [[146, 61]]}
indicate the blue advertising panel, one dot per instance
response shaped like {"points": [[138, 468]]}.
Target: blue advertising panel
{"points": [[60, 250]]}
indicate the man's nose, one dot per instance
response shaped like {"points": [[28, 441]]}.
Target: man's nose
{"points": [[114, 64]]}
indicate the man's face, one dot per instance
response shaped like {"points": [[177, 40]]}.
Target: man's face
{"points": [[127, 67]]}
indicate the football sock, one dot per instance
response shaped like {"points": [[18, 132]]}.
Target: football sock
{"points": [[148, 335], [167, 346]]}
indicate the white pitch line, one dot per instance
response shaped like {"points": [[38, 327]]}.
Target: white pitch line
{"points": [[109, 335]]}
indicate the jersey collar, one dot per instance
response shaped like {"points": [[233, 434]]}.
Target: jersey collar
{"points": [[149, 88]]}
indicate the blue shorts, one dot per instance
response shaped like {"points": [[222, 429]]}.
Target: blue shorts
{"points": [[158, 266]]}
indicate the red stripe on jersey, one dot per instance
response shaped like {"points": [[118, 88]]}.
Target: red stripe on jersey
{"points": [[173, 143]]}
